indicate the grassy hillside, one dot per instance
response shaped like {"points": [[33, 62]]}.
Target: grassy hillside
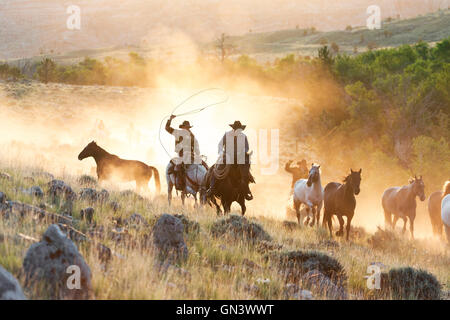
{"points": [[428, 28], [218, 266]]}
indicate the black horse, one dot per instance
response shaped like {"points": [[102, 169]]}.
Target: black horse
{"points": [[228, 186], [111, 167], [339, 200]]}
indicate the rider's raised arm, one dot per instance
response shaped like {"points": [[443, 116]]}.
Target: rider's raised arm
{"points": [[287, 167], [169, 129]]}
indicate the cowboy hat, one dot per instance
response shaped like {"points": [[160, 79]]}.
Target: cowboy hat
{"points": [[237, 125], [185, 125]]}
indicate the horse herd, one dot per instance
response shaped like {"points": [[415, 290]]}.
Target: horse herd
{"points": [[337, 199]]}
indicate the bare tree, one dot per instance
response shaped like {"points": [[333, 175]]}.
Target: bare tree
{"points": [[225, 49]]}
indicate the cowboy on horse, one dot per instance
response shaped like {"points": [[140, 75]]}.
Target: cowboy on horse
{"points": [[233, 149], [186, 171]]}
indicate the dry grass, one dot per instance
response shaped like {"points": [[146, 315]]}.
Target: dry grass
{"points": [[217, 268]]}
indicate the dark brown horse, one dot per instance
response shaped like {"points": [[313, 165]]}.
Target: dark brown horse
{"points": [[339, 200], [401, 202], [228, 186], [111, 167]]}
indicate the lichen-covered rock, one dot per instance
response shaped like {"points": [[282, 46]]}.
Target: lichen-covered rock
{"points": [[239, 228], [88, 181], [409, 283], [87, 214], [168, 238], [190, 227], [92, 195], [58, 188], [323, 286], [9, 287], [34, 191], [22, 209], [136, 220], [294, 264], [56, 263], [2, 198]]}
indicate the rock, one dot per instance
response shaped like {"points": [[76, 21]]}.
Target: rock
{"points": [[323, 286], [119, 234], [168, 238], [2, 198], [86, 180], [136, 220], [189, 225], [23, 209], [5, 176], [58, 188], [239, 228], [87, 214], [9, 287], [93, 195], [43, 175], [115, 206], [34, 191], [28, 179], [304, 295], [47, 262]]}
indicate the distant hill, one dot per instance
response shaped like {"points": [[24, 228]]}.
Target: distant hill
{"points": [[430, 28], [29, 28]]}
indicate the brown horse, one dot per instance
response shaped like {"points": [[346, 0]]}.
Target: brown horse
{"points": [[111, 167], [434, 210], [339, 200], [401, 202]]}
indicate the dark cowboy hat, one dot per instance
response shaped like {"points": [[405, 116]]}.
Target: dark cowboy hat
{"points": [[237, 125], [185, 125]]}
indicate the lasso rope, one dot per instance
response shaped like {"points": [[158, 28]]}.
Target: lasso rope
{"points": [[189, 112]]}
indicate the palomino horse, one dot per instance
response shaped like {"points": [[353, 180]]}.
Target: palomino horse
{"points": [[401, 202], [445, 210], [310, 193], [111, 167], [187, 178], [339, 200]]}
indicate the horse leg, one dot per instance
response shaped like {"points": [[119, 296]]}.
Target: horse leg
{"points": [[340, 233], [297, 210], [242, 204], [327, 221], [169, 192], [405, 219], [195, 199], [183, 197], [349, 221], [387, 220], [313, 210], [394, 223], [218, 210], [319, 207], [411, 227]]}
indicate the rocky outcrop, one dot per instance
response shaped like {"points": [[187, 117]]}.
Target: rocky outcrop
{"points": [[9, 287], [168, 238], [56, 263]]}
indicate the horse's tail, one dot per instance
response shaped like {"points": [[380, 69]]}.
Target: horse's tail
{"points": [[156, 176]]}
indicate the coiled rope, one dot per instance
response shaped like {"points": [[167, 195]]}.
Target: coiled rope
{"points": [[194, 111]]}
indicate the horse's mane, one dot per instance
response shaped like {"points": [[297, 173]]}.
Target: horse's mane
{"points": [[346, 178], [446, 189]]}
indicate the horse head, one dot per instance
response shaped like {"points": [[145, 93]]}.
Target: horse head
{"points": [[88, 151], [314, 175], [354, 179], [418, 187]]}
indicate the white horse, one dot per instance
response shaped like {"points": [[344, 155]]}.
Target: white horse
{"points": [[309, 192], [194, 174], [445, 210]]}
